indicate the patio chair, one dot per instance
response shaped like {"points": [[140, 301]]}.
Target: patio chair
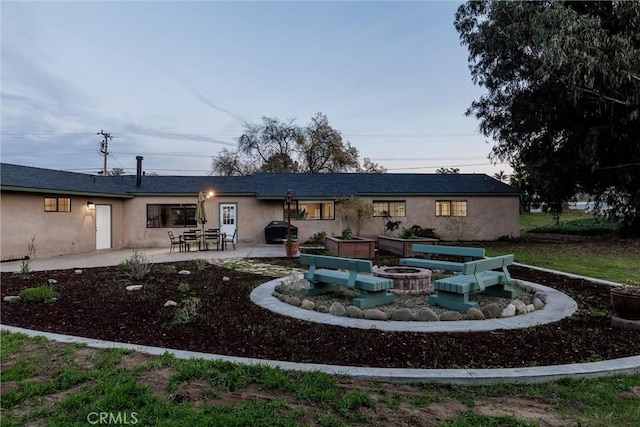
{"points": [[211, 237], [231, 240], [175, 241], [190, 238]]}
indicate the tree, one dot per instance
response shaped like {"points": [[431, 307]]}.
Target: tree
{"points": [[271, 143], [275, 146], [500, 176], [322, 150], [563, 95], [371, 167], [444, 170]]}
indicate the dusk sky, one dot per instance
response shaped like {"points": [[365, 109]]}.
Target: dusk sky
{"points": [[175, 81]]}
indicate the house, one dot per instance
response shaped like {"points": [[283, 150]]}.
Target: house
{"points": [[67, 212]]}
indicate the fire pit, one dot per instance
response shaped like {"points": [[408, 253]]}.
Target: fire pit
{"points": [[407, 279]]}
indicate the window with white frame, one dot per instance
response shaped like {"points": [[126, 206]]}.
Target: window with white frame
{"points": [[451, 208]]}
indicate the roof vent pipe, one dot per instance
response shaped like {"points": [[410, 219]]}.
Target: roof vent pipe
{"points": [[139, 171]]}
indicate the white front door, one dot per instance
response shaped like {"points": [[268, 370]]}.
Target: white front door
{"points": [[229, 219], [103, 226]]}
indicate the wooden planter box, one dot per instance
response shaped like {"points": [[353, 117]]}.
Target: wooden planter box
{"points": [[358, 247], [402, 247]]}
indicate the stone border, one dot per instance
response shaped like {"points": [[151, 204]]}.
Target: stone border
{"points": [[558, 306]]}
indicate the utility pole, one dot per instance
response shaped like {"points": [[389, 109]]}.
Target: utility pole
{"points": [[104, 149]]}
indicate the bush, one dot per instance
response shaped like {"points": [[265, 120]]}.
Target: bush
{"points": [[346, 234], [42, 293], [580, 227], [416, 232], [188, 311], [318, 238], [136, 266]]}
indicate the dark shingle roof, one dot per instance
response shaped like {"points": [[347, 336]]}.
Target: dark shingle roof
{"points": [[261, 185]]}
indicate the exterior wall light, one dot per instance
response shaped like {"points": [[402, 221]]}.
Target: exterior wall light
{"points": [[91, 206]]}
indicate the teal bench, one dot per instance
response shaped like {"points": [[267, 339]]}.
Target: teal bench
{"points": [[467, 254], [475, 277], [327, 273]]}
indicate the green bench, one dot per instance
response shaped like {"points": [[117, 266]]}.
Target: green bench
{"points": [[467, 254], [475, 277], [327, 273]]}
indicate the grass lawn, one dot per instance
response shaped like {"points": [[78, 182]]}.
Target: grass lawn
{"points": [[56, 384], [601, 257]]}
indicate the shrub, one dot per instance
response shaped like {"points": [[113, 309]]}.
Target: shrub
{"points": [[184, 287], [42, 293], [580, 227], [136, 266], [416, 232], [188, 311], [346, 234], [318, 238]]}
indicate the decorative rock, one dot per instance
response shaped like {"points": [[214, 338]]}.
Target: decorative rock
{"points": [[427, 315], [295, 301], [282, 297], [474, 314], [308, 304], [184, 272], [134, 287], [323, 309], [52, 281], [11, 298], [450, 316], [355, 312], [521, 308], [77, 271], [491, 311], [402, 314], [509, 311], [538, 304], [374, 314], [279, 288], [170, 303], [225, 279], [338, 309], [286, 299], [530, 308], [541, 296]]}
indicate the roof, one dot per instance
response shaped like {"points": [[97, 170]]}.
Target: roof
{"points": [[260, 185]]}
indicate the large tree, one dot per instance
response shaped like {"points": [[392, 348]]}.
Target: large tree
{"points": [[563, 95], [276, 146]]}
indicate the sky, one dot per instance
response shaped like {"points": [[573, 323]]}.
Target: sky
{"points": [[176, 82]]}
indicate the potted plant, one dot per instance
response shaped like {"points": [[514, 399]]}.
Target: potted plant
{"points": [[291, 247], [626, 300]]}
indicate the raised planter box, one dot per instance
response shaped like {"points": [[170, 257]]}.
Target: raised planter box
{"points": [[402, 247], [358, 247]]}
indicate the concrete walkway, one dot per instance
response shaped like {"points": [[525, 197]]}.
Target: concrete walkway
{"points": [[626, 365]]}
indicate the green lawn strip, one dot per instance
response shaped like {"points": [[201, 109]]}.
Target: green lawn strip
{"points": [[612, 261], [284, 398]]}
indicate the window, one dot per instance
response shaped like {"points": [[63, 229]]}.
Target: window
{"points": [[392, 208], [451, 208], [301, 209], [165, 216], [57, 204]]}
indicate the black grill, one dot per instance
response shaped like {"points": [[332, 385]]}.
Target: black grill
{"points": [[276, 232]]}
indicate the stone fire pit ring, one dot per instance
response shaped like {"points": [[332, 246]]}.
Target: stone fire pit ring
{"points": [[406, 279]]}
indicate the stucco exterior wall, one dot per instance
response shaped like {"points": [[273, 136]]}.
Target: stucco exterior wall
{"points": [[56, 233], [22, 216], [487, 218]]}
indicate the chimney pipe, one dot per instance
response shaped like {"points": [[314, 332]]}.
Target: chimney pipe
{"points": [[139, 171]]}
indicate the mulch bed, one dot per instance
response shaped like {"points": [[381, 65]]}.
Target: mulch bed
{"points": [[95, 304]]}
